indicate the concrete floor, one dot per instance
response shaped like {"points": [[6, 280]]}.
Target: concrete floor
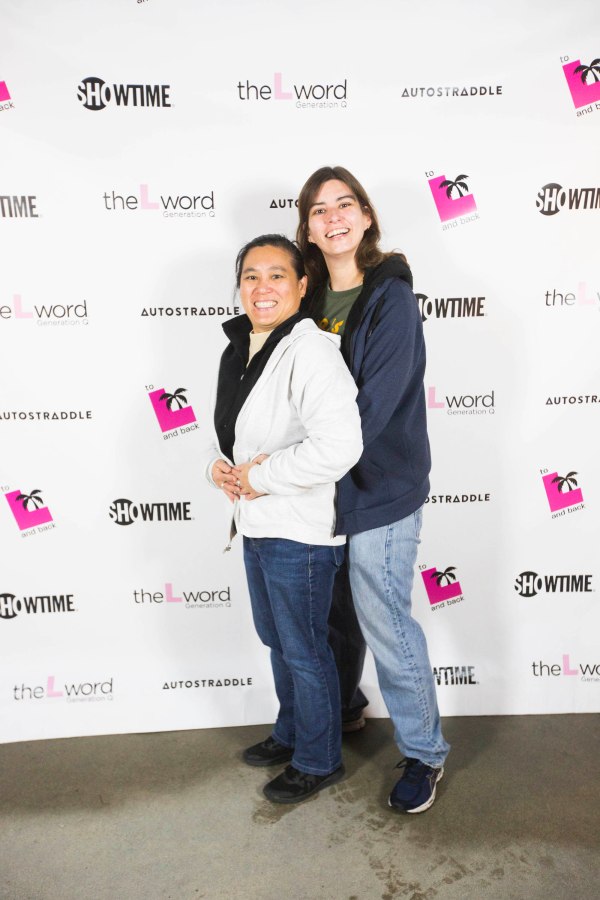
{"points": [[177, 816]]}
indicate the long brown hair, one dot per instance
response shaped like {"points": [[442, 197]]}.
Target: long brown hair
{"points": [[367, 254]]}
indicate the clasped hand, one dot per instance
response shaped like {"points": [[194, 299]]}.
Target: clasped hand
{"points": [[233, 480]]}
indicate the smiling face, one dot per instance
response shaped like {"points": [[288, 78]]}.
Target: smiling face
{"points": [[336, 221], [270, 290]]}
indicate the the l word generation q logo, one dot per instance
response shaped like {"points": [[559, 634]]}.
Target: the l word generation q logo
{"points": [[450, 307], [586, 671], [29, 511], [5, 98], [442, 587], [126, 512], [454, 203], [584, 84], [176, 206], [202, 599], [583, 296], [71, 692], [173, 414], [552, 198], [462, 404], [95, 94], [11, 605], [530, 584], [562, 492], [46, 314], [305, 96]]}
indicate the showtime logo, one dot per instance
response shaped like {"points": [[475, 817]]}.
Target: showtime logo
{"points": [[452, 199], [204, 599], [172, 412], [182, 206], [29, 510], [442, 587], [530, 584], [463, 404], [450, 307], [5, 98], [586, 671], [562, 492], [55, 313], [126, 512], [584, 83], [18, 206], [553, 197], [11, 606], [306, 96], [71, 692], [452, 675], [95, 94]]}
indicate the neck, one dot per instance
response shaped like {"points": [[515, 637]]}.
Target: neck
{"points": [[344, 274]]}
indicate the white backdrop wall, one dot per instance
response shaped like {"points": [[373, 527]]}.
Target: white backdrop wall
{"points": [[118, 610]]}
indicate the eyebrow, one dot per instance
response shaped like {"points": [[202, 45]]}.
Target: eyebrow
{"points": [[337, 200], [270, 269]]}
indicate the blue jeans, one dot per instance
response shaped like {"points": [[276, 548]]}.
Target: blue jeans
{"points": [[290, 588], [381, 563]]}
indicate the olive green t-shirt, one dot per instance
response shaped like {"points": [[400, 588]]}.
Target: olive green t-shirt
{"points": [[333, 312]]}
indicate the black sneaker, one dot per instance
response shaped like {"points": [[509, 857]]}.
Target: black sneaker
{"points": [[267, 753], [415, 792], [292, 786]]}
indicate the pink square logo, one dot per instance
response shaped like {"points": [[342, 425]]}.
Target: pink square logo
{"points": [[4, 92], [583, 81], [28, 509], [451, 197], [441, 586], [562, 492], [171, 410]]}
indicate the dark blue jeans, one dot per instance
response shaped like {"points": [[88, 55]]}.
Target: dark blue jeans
{"points": [[290, 588]]}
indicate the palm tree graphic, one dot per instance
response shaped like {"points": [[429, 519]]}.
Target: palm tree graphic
{"points": [[177, 397], [593, 68], [569, 480], [459, 183], [31, 498], [447, 575]]}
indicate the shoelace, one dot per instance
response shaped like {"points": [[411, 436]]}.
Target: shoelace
{"points": [[414, 770]]}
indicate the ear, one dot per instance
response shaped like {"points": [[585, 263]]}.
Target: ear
{"points": [[303, 285], [367, 217]]}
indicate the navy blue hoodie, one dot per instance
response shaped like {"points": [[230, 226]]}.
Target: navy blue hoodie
{"points": [[384, 348]]}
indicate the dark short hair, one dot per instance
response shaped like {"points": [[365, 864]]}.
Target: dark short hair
{"points": [[271, 240]]}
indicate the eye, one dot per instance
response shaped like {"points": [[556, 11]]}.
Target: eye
{"points": [[249, 277], [318, 212], [345, 203], [277, 275]]}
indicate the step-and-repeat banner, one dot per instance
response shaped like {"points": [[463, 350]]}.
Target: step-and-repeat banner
{"points": [[142, 143]]}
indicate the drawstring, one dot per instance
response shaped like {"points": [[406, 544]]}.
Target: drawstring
{"points": [[232, 527]]}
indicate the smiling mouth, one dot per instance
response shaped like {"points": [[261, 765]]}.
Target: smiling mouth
{"points": [[265, 304], [336, 232]]}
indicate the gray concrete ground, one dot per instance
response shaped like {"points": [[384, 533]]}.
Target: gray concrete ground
{"points": [[178, 816]]}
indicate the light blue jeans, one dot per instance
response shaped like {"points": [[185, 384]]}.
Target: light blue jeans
{"points": [[381, 563]]}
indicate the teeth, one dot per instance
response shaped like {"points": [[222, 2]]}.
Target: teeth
{"points": [[265, 304], [338, 231]]}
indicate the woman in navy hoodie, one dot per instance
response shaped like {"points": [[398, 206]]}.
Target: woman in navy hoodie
{"points": [[365, 295]]}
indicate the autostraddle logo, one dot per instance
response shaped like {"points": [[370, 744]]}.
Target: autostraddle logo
{"points": [[453, 675], [450, 307], [584, 84], [552, 198], [563, 492], [95, 94], [169, 312], [198, 599], [442, 586], [283, 203], [18, 206], [453, 201], [458, 498], [126, 512], [71, 692], [46, 314], [574, 400], [172, 412], [462, 404], [317, 95], [5, 98], [171, 206], [585, 671], [11, 605], [29, 510], [530, 584], [473, 90], [195, 683], [584, 296]]}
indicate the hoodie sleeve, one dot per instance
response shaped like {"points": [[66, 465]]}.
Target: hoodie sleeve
{"points": [[324, 395]]}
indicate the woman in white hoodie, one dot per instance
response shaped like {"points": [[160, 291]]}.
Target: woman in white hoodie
{"points": [[287, 428]]}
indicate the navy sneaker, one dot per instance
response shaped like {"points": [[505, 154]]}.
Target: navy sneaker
{"points": [[415, 792], [292, 785], [267, 753]]}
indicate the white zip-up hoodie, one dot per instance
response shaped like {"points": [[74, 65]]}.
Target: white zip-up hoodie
{"points": [[302, 412]]}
